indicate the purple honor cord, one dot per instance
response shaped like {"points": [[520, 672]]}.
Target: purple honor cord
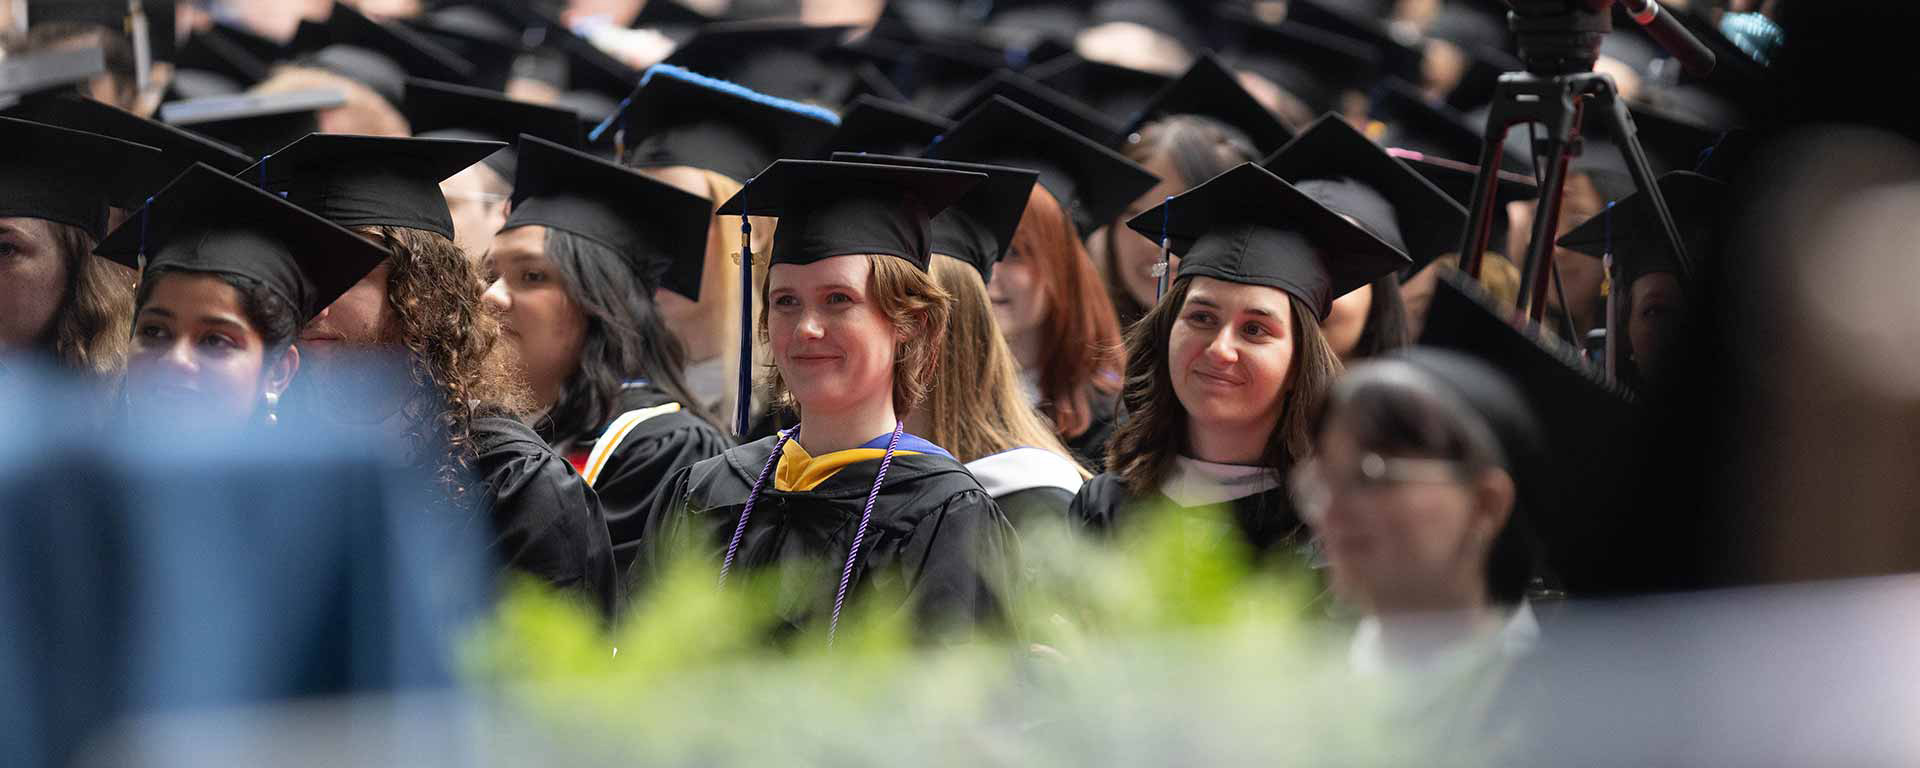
{"points": [[859, 534]]}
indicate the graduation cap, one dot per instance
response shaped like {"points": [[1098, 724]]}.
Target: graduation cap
{"points": [[1118, 93], [260, 46], [178, 149], [66, 176], [1210, 90], [1631, 230], [778, 58], [979, 228], [480, 38], [48, 72], [1481, 78], [870, 80], [676, 117], [1398, 57], [886, 128], [936, 73], [1672, 141], [1248, 226], [660, 230], [208, 221], [829, 208], [1056, 107], [1177, 20], [414, 53], [1344, 170], [589, 69], [1094, 183], [258, 124], [1587, 423], [370, 181], [448, 111], [1025, 22], [1315, 65], [1425, 127], [116, 16], [212, 51]]}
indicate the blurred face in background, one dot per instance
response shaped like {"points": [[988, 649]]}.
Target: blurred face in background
{"points": [[1134, 255], [196, 363], [477, 198], [33, 281], [538, 318]]}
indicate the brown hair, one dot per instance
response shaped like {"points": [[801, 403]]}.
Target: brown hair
{"points": [[450, 338], [1080, 336], [976, 407], [1199, 148], [918, 309], [1144, 445], [91, 330]]}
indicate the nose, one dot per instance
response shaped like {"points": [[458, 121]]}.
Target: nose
{"points": [[810, 326], [496, 296], [1222, 349], [179, 357]]}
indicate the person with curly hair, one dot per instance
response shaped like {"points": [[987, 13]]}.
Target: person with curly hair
{"points": [[855, 324], [409, 355]]}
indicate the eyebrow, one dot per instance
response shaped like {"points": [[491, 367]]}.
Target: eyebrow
{"points": [[208, 319], [1211, 304]]}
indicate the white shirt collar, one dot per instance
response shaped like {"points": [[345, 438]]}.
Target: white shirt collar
{"points": [[1021, 469]]}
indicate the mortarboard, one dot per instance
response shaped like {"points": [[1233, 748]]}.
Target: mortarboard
{"points": [[48, 72], [492, 45], [1025, 22], [1456, 178], [778, 58], [66, 176], [208, 221], [369, 181], [1092, 182], [414, 53], [1632, 232], [211, 50], [829, 209], [676, 117], [589, 69], [1315, 65], [1178, 20], [1425, 127], [1210, 90], [1247, 226], [257, 124], [1481, 78], [658, 229], [1056, 107], [179, 149], [1346, 171], [870, 80], [1116, 92], [669, 13], [1672, 141], [367, 67], [979, 228], [886, 128], [259, 46], [448, 111], [1397, 57]]}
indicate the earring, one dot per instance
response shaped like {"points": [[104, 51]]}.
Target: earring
{"points": [[273, 407]]}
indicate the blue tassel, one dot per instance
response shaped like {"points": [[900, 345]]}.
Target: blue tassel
{"points": [[140, 257], [1166, 250], [263, 170], [742, 409]]}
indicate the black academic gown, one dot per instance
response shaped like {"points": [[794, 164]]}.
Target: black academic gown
{"points": [[1267, 521], [629, 483], [1090, 447], [936, 537], [546, 521]]}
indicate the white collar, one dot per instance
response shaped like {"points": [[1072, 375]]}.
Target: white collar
{"points": [[1367, 654], [1196, 483], [1021, 469]]}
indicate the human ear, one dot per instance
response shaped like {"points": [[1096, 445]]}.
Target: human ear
{"points": [[280, 374], [1493, 497]]}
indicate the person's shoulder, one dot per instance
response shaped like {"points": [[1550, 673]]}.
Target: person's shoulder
{"points": [[495, 430], [1099, 503]]}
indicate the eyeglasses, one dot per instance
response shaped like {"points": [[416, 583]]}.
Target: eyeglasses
{"points": [[1314, 482]]}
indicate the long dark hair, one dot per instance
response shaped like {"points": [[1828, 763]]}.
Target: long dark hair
{"points": [[625, 339], [1200, 148], [1145, 444], [1386, 325]]}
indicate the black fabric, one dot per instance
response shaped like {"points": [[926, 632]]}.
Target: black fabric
{"points": [[1315, 65], [1117, 92], [1079, 118], [979, 228], [1033, 507], [936, 537], [1397, 58], [1092, 182], [1266, 522], [362, 65], [64, 176], [1209, 89], [1090, 447], [449, 111], [679, 118], [1354, 176], [546, 522], [1632, 231], [1247, 226], [370, 181], [635, 474], [492, 47], [256, 124], [1358, 202], [829, 209], [211, 50], [412, 51], [207, 221], [873, 125], [179, 149], [659, 229], [777, 57]]}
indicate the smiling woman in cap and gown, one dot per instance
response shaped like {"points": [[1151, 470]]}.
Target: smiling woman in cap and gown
{"points": [[855, 324]]}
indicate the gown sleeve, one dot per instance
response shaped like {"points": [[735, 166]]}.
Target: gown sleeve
{"points": [[637, 474], [960, 563], [1096, 508], [546, 521], [664, 533], [1036, 507]]}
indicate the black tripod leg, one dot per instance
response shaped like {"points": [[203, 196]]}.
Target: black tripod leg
{"points": [[1473, 243], [1546, 222], [1646, 184]]}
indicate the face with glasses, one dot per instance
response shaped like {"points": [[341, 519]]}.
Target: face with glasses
{"points": [[1402, 534]]}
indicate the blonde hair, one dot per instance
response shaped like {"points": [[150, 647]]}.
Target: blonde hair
{"points": [[976, 406], [720, 284], [917, 308], [92, 329], [366, 112]]}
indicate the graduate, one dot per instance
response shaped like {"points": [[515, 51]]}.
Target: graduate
{"points": [[1227, 373], [574, 274], [411, 357], [478, 196], [976, 407], [855, 325], [1345, 171]]}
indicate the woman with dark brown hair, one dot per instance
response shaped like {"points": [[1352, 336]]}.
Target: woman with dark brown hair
{"points": [[1226, 374]]}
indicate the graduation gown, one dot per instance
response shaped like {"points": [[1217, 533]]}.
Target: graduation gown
{"points": [[649, 448], [1266, 520], [1090, 447], [546, 521], [1032, 486], [936, 537]]}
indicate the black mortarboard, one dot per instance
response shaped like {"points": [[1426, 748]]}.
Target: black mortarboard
{"points": [[1209, 89], [256, 123], [677, 117], [1456, 178], [886, 128], [829, 209], [1331, 159], [590, 69], [260, 46], [1092, 182], [179, 149], [414, 53], [979, 228], [669, 13], [1588, 424], [870, 80], [1056, 107], [370, 181], [1248, 226], [491, 45], [660, 230], [448, 111], [1400, 58], [211, 50], [48, 72], [1118, 93], [1181, 20], [934, 72], [1025, 22], [778, 58], [67, 176], [208, 221], [362, 65], [1481, 78], [1632, 231], [1315, 65], [1423, 126], [1673, 142]]}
